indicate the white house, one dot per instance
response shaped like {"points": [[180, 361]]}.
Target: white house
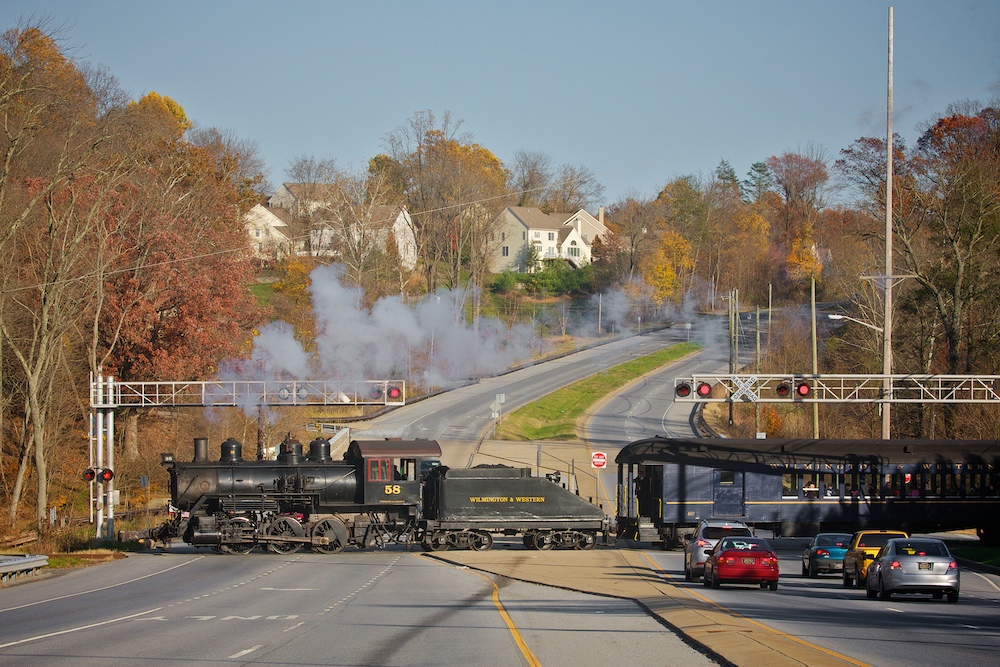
{"points": [[566, 236], [268, 234]]}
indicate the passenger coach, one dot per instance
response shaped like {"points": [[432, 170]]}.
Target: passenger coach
{"points": [[801, 487]]}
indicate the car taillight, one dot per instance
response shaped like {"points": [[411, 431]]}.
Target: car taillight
{"points": [[952, 565], [822, 552], [703, 543], [894, 565], [727, 561]]}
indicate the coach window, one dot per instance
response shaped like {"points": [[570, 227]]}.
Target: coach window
{"points": [[788, 489], [810, 486], [831, 484], [727, 477]]}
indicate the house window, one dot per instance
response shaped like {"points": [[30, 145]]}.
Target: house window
{"points": [[524, 236], [256, 233], [505, 251], [503, 236], [538, 235], [552, 236], [574, 252]]}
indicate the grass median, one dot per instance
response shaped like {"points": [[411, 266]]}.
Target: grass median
{"points": [[554, 417]]}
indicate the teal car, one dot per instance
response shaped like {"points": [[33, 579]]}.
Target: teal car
{"points": [[825, 553]]}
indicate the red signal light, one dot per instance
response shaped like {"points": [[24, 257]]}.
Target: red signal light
{"points": [[106, 475], [394, 393], [683, 390], [802, 389], [375, 393], [783, 390], [704, 389], [90, 474]]}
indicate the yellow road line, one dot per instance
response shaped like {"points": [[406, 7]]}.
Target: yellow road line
{"points": [[514, 632]]}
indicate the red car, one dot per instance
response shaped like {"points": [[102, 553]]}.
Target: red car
{"points": [[742, 560]]}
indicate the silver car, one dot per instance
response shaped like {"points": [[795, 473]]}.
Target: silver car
{"points": [[913, 565], [707, 535]]}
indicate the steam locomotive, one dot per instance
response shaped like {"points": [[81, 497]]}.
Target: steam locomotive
{"points": [[378, 494]]}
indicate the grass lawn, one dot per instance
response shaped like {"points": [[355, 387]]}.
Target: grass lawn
{"points": [[553, 417]]}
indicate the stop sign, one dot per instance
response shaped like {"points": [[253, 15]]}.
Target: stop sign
{"points": [[598, 460]]}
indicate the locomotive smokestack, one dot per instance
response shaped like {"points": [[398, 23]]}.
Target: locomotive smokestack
{"points": [[201, 450]]}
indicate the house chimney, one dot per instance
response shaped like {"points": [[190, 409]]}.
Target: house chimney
{"points": [[600, 215]]}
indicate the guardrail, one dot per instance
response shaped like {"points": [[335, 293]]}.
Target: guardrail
{"points": [[15, 566]]}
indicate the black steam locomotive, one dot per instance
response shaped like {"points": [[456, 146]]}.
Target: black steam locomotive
{"points": [[379, 493]]}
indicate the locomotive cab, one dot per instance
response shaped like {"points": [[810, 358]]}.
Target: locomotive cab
{"points": [[390, 469]]}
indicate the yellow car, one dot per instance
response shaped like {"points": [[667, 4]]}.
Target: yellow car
{"points": [[861, 552]]}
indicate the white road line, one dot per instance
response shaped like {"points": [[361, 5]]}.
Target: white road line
{"points": [[104, 588], [82, 627], [243, 653]]}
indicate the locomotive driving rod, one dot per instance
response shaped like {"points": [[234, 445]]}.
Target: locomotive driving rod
{"points": [[320, 541]]}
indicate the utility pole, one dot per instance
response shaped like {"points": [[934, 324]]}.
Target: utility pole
{"points": [[815, 356]]}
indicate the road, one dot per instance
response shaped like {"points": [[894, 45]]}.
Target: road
{"points": [[392, 607]]}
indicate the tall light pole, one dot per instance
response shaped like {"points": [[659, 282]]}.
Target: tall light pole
{"points": [[887, 320]]}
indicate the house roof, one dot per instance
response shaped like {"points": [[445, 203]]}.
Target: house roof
{"points": [[533, 218]]}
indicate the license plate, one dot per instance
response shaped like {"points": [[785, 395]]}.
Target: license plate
{"points": [[837, 565], [925, 566], [750, 561]]}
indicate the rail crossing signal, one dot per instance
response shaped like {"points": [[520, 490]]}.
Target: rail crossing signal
{"points": [[821, 388]]}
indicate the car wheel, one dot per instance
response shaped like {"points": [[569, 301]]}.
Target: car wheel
{"points": [[883, 592], [847, 579], [773, 586], [704, 580], [805, 569], [858, 581], [715, 579], [813, 570], [953, 597], [870, 592], [688, 575]]}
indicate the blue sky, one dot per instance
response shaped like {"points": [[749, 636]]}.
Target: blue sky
{"points": [[638, 92]]}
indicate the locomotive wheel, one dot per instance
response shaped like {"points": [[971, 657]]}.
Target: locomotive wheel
{"points": [[543, 541], [329, 529], [529, 541], [284, 527], [481, 541]]}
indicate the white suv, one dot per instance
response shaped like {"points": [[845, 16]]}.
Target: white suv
{"points": [[707, 535]]}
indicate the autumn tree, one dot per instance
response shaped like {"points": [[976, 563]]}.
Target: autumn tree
{"points": [[56, 180], [454, 189]]}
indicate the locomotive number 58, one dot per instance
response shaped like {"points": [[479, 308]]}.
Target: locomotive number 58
{"points": [[392, 489]]}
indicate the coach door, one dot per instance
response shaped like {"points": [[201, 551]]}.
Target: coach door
{"points": [[728, 493]]}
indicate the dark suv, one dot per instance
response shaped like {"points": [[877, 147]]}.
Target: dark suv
{"points": [[705, 536]]}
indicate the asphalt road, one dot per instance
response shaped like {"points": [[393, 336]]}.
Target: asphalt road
{"points": [[391, 607]]}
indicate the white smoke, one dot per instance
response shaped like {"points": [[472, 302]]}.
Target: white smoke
{"points": [[428, 343]]}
